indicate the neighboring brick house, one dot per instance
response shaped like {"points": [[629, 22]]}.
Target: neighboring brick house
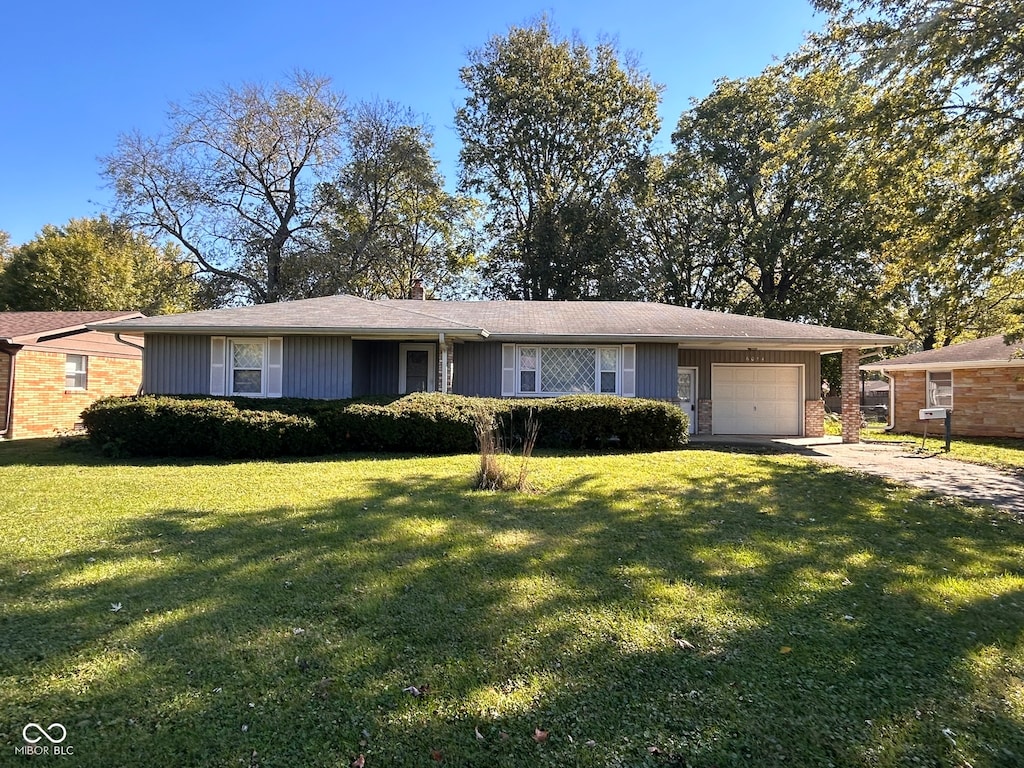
{"points": [[52, 367], [981, 380]]}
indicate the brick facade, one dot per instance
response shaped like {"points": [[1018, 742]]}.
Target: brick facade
{"points": [[850, 394], [5, 380], [42, 405], [987, 402], [814, 418]]}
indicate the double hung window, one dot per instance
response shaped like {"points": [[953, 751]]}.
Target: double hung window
{"points": [[940, 389], [248, 361], [76, 371]]}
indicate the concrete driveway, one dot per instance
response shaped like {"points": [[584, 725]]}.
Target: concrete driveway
{"points": [[901, 462]]}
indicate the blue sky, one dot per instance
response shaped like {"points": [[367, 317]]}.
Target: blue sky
{"points": [[76, 75]]}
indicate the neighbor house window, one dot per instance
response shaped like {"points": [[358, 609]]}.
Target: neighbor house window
{"points": [[76, 369], [248, 361], [940, 389], [568, 370]]}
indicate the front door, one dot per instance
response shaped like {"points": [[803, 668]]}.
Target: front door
{"points": [[687, 395], [416, 368]]}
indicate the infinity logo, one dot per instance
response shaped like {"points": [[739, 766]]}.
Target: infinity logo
{"points": [[44, 733]]}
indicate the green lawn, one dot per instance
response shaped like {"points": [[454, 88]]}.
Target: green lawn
{"points": [[693, 608], [1002, 453]]}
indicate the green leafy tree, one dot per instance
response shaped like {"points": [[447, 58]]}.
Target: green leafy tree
{"points": [[952, 269], [96, 264], [234, 181], [781, 223], [389, 219], [551, 132], [949, 113]]}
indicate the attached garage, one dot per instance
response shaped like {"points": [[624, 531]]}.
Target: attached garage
{"points": [[757, 399]]}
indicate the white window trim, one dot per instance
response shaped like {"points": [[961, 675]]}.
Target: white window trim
{"points": [[83, 372], [619, 356], [930, 389], [431, 351], [230, 366]]}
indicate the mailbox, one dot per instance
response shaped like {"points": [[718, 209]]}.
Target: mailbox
{"points": [[932, 413]]}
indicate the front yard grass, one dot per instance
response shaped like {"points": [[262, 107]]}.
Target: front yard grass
{"points": [[692, 608], [1002, 453]]}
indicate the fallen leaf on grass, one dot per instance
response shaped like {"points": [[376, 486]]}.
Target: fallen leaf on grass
{"points": [[417, 692], [359, 762], [785, 649], [115, 607], [479, 736], [654, 750], [539, 735], [436, 755], [686, 645]]}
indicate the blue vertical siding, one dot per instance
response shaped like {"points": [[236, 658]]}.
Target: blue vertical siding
{"points": [[176, 365], [374, 368], [656, 367], [478, 369], [317, 367]]}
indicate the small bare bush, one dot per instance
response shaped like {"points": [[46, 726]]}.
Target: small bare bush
{"points": [[494, 473]]}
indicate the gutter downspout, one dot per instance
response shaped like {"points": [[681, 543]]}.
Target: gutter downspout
{"points": [[117, 337], [12, 353]]}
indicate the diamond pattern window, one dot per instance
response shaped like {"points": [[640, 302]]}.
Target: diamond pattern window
{"points": [[248, 361], [568, 370]]}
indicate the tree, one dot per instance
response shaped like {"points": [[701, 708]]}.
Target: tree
{"points": [[952, 269], [788, 210], [551, 130], [687, 259], [234, 182], [96, 264], [389, 219], [948, 106]]}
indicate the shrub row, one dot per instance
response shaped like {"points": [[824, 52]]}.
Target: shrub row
{"points": [[420, 423]]}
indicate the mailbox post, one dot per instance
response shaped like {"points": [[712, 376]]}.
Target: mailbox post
{"points": [[931, 414]]}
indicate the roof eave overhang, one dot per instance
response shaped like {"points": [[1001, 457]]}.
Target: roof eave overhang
{"points": [[944, 366], [269, 330]]}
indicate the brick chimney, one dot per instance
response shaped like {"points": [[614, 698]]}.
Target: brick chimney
{"points": [[416, 292]]}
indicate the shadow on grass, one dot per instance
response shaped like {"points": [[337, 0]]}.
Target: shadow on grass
{"points": [[831, 618]]}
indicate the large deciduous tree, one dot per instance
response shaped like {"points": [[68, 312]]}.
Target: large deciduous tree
{"points": [[389, 219], [950, 107], [551, 130], [782, 209], [235, 180], [96, 264]]}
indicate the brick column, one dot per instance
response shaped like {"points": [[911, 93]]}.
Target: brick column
{"points": [[850, 394], [814, 418], [703, 417]]}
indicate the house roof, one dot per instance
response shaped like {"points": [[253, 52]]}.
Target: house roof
{"points": [[17, 328], [988, 352], [611, 321]]}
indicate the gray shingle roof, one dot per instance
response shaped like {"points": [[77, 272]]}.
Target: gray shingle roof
{"points": [[991, 349], [22, 327], [523, 320]]}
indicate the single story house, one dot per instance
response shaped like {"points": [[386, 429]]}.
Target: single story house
{"points": [[733, 374], [981, 380], [52, 366]]}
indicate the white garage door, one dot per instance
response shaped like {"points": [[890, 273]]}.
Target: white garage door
{"points": [[756, 399]]}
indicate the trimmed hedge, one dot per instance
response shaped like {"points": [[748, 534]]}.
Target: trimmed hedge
{"points": [[421, 423]]}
